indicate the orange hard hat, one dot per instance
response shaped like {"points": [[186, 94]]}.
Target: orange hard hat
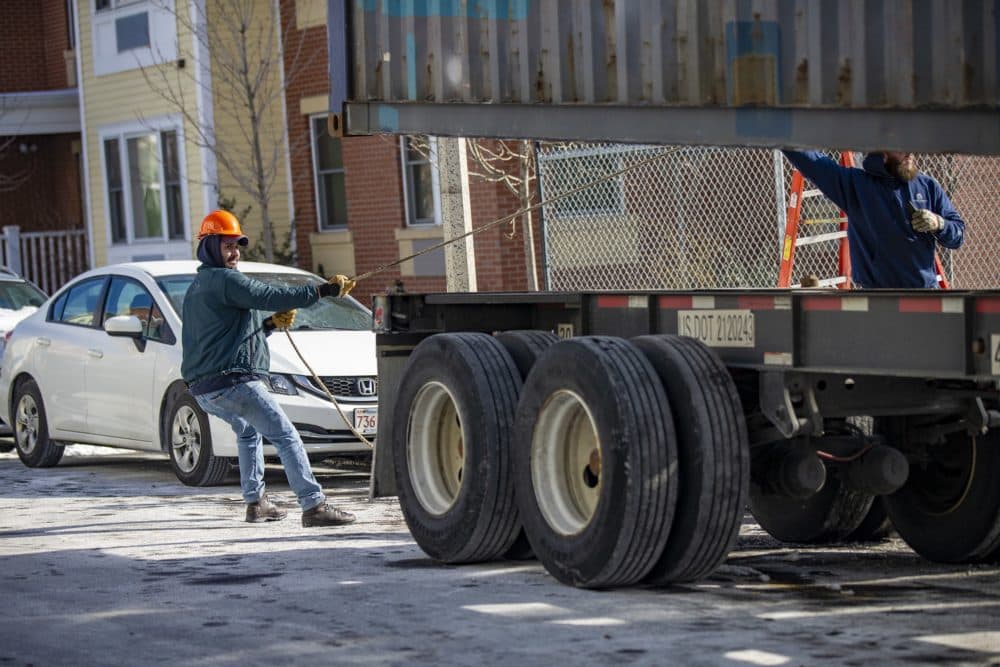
{"points": [[222, 223]]}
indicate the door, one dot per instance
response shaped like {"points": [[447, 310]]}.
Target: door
{"points": [[121, 370], [61, 354]]}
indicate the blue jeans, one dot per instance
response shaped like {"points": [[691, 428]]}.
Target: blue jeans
{"points": [[253, 412]]}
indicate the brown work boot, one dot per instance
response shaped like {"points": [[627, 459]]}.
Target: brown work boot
{"points": [[264, 510], [326, 515]]}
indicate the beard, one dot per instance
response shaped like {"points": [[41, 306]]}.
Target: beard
{"points": [[904, 171]]}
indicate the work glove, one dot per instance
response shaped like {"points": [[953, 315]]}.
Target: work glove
{"points": [[926, 221], [339, 285], [283, 320]]}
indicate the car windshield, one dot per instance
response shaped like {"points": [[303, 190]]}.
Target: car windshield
{"points": [[327, 313], [17, 295]]}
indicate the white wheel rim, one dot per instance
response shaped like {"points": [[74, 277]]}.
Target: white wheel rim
{"points": [[436, 448], [26, 424], [566, 463], [185, 438]]}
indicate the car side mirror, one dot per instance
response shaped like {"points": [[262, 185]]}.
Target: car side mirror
{"points": [[124, 325]]}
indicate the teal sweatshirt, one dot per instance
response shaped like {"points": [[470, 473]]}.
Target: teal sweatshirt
{"points": [[223, 328]]}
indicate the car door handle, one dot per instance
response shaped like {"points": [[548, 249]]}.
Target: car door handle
{"points": [[43, 341], [95, 353]]}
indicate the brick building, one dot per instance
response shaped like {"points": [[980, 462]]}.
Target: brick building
{"points": [[39, 118], [363, 202]]}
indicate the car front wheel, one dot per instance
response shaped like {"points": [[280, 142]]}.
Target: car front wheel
{"points": [[31, 430], [190, 443]]}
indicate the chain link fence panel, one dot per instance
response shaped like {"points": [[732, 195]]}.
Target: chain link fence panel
{"points": [[685, 217]]}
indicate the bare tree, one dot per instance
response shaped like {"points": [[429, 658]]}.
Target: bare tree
{"points": [[513, 164], [246, 47]]}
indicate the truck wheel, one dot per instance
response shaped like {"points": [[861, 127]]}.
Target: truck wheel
{"points": [[451, 447], [827, 516], [31, 428], [874, 527], [949, 508], [712, 452], [596, 462], [190, 441], [524, 347]]}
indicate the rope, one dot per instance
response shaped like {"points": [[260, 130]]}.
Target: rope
{"points": [[333, 400]]}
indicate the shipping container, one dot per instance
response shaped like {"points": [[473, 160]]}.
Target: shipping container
{"points": [[862, 74]]}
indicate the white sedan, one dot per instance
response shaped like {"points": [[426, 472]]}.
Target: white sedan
{"points": [[99, 363]]}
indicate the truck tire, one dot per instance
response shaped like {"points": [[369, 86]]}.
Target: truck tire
{"points": [[827, 516], [189, 443], [874, 527], [712, 454], [31, 428], [949, 509], [524, 347], [596, 462], [451, 438]]}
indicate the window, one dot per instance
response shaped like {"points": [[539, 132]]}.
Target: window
{"points": [[128, 297], [420, 180], [570, 168], [116, 201], [80, 304], [128, 34], [328, 165], [132, 32], [143, 176]]}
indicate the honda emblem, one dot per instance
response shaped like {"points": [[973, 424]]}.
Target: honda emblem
{"points": [[366, 386]]}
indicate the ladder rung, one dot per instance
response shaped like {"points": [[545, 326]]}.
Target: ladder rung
{"points": [[822, 221], [819, 238], [827, 282]]}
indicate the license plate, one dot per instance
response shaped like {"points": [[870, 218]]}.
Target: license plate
{"points": [[718, 328], [366, 420]]}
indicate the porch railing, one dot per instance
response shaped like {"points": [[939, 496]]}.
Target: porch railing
{"points": [[48, 259]]}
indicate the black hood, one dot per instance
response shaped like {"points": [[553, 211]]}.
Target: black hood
{"points": [[210, 251], [874, 164]]}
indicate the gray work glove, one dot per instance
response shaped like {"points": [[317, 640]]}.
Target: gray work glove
{"points": [[926, 221]]}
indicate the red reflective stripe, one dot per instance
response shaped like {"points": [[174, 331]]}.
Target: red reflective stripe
{"points": [[612, 301], [755, 302], [926, 305], [820, 303], [680, 302], [988, 305]]}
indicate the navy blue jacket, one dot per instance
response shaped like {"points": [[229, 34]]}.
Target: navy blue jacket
{"points": [[885, 249]]}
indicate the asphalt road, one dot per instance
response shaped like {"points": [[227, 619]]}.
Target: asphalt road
{"points": [[107, 559]]}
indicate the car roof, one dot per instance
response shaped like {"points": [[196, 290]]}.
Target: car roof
{"points": [[173, 267]]}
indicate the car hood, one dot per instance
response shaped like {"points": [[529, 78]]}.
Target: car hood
{"points": [[328, 353]]}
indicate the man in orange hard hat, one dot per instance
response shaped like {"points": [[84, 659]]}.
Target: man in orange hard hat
{"points": [[226, 357]]}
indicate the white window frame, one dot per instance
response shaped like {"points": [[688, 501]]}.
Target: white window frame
{"points": [[162, 35], [149, 246], [316, 178], [432, 147]]}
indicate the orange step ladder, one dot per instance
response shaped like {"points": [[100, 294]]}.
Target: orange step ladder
{"points": [[792, 240]]}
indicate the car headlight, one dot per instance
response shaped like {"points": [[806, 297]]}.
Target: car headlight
{"points": [[280, 384]]}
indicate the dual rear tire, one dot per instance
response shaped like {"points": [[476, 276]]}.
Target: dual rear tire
{"points": [[585, 455]]}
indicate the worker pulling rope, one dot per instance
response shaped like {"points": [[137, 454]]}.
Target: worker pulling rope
{"points": [[347, 284]]}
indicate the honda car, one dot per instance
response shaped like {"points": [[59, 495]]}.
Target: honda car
{"points": [[99, 363]]}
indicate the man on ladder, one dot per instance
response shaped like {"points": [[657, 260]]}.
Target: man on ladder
{"points": [[897, 216]]}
